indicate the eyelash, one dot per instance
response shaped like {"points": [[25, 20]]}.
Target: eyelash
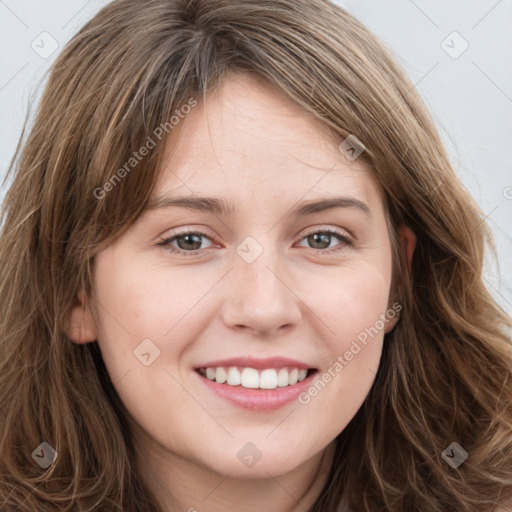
{"points": [[347, 241]]}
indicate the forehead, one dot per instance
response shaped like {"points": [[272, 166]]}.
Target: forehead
{"points": [[251, 143]]}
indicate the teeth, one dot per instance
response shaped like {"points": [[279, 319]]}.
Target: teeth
{"points": [[221, 375], [282, 378], [268, 379], [234, 376], [251, 378]]}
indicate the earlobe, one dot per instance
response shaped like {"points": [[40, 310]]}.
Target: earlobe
{"points": [[82, 326], [390, 323]]}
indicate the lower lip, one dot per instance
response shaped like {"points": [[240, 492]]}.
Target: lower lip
{"points": [[258, 399]]}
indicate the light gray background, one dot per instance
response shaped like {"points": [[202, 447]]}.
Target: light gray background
{"points": [[469, 95]]}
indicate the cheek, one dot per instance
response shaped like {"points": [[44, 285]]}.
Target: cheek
{"points": [[130, 309], [142, 321], [353, 313], [134, 300], [352, 303], [154, 304]]}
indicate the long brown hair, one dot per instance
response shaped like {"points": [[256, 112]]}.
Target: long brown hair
{"points": [[446, 369]]}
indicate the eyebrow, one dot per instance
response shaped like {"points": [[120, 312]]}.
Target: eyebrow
{"points": [[218, 206]]}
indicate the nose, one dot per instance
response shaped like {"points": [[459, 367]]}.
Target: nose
{"points": [[260, 296]]}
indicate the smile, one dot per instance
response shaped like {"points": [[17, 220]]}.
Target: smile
{"points": [[256, 384], [251, 378]]}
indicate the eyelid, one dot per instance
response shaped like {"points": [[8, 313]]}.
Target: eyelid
{"points": [[327, 229]]}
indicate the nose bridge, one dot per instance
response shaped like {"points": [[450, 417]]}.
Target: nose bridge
{"points": [[260, 297]]}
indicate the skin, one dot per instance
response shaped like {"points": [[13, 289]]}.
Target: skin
{"points": [[253, 147]]}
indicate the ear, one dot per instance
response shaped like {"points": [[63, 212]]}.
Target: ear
{"points": [[82, 326], [407, 246]]}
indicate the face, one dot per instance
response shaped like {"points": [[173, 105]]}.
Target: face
{"points": [[285, 297]]}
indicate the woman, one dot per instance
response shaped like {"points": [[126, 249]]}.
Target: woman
{"points": [[369, 372]]}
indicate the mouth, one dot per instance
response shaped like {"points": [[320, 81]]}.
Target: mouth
{"points": [[256, 385], [252, 378]]}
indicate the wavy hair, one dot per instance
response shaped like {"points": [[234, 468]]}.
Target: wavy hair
{"points": [[446, 369]]}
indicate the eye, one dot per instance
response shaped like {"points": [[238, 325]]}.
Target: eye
{"points": [[189, 242], [321, 240]]}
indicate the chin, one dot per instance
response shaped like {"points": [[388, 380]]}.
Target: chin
{"points": [[247, 460]]}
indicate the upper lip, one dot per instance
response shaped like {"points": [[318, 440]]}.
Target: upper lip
{"points": [[256, 363]]}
